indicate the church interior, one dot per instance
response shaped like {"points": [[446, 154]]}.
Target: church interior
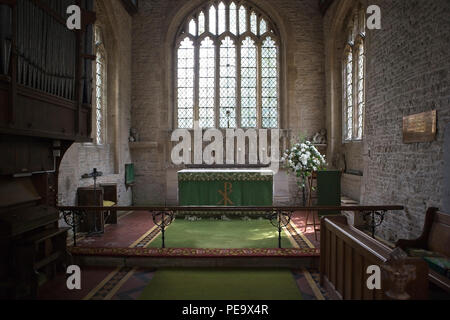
{"points": [[224, 150]]}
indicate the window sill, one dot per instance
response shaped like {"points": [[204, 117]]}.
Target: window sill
{"points": [[143, 145], [352, 141], [93, 145]]}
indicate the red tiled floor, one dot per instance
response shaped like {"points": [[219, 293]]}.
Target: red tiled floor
{"points": [[128, 229], [299, 219], [56, 289]]}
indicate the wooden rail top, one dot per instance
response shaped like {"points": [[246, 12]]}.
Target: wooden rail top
{"points": [[356, 238], [243, 209]]}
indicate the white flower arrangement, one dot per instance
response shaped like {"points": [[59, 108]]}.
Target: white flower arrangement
{"points": [[303, 159]]}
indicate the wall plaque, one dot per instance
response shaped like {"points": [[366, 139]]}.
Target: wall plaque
{"points": [[420, 127]]}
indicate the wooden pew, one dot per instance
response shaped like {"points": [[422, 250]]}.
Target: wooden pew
{"points": [[346, 253], [435, 238]]}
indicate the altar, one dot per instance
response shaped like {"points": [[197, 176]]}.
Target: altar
{"points": [[200, 187]]}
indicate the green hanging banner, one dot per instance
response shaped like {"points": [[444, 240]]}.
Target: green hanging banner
{"points": [[329, 190]]}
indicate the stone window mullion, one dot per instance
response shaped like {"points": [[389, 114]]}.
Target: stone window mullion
{"points": [[238, 83], [196, 82], [259, 84], [355, 92], [217, 84]]}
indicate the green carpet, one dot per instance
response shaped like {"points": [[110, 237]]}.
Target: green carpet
{"points": [[218, 234], [222, 284]]}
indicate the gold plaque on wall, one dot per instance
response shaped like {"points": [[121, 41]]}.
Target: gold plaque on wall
{"points": [[420, 127]]}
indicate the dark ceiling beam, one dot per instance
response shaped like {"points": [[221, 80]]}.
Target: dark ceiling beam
{"points": [[324, 5], [131, 6]]}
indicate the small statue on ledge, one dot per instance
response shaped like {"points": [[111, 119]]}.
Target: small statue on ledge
{"points": [[320, 137], [134, 135]]}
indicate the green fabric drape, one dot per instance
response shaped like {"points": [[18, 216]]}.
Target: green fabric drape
{"points": [[329, 190], [225, 189]]}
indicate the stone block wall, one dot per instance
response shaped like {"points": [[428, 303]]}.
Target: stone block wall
{"points": [[446, 204], [408, 72], [408, 66]]}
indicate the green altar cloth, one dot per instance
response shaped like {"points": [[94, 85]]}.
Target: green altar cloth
{"points": [[225, 188]]}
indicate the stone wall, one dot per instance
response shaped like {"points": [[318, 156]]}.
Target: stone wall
{"points": [[408, 72], [408, 65], [154, 30], [446, 204], [111, 157]]}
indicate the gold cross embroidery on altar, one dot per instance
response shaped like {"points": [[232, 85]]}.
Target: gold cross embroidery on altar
{"points": [[225, 193]]}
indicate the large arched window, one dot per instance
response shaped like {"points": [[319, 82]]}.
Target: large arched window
{"points": [[227, 68], [100, 88], [354, 78]]}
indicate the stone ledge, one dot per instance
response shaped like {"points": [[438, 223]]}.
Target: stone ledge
{"points": [[143, 145]]}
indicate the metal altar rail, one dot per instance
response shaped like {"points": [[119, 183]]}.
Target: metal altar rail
{"points": [[280, 217]]}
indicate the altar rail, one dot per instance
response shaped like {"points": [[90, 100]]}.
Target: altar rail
{"points": [[278, 216]]}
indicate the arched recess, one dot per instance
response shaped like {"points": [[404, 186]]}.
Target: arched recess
{"points": [[335, 42], [110, 157], [184, 13]]}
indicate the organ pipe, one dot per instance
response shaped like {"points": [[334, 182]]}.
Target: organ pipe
{"points": [[5, 38], [46, 49]]}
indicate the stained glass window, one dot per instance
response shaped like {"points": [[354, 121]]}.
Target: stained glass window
{"points": [[269, 77], [349, 97], [242, 20], [193, 27], [233, 18], [249, 84], [253, 23], [212, 20], [201, 23], [227, 84], [222, 16], [354, 77], [262, 27], [207, 84], [186, 84], [100, 88], [361, 99], [230, 80]]}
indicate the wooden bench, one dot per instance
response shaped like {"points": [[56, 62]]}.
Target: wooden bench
{"points": [[435, 238], [42, 250], [345, 255]]}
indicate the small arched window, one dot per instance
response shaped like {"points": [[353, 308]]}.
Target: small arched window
{"points": [[354, 97], [227, 68], [100, 88]]}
